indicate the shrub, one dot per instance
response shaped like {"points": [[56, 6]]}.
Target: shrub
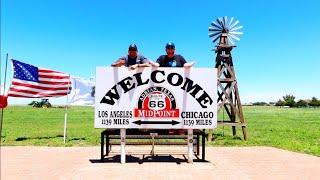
{"points": [[280, 103], [314, 102], [289, 100], [302, 103]]}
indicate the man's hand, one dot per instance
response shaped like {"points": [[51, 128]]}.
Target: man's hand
{"points": [[154, 64], [188, 65], [133, 67], [118, 63]]}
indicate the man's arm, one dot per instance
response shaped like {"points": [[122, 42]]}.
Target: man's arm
{"points": [[139, 65], [158, 62], [144, 62], [188, 64], [184, 62], [155, 64], [119, 62]]}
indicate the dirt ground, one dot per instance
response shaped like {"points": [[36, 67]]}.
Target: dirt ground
{"points": [[222, 163]]}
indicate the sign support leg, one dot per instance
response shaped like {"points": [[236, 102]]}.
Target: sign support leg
{"points": [[123, 145], [190, 145]]}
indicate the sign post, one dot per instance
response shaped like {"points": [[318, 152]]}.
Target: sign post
{"points": [[190, 146], [123, 145], [156, 98]]}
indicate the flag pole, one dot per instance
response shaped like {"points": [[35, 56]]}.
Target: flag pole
{"points": [[4, 88], [66, 114]]}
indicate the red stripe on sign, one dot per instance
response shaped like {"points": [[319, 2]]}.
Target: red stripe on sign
{"points": [[173, 113]]}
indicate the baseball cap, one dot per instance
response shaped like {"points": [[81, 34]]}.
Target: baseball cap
{"points": [[170, 45], [133, 47]]}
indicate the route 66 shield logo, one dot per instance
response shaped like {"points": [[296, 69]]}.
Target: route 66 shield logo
{"points": [[157, 101]]}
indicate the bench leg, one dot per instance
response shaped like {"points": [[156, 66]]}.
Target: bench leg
{"points": [[203, 145], [102, 147], [123, 145], [198, 145], [190, 146], [107, 145]]}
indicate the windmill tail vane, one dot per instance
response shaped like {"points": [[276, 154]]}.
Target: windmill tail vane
{"points": [[227, 31]]}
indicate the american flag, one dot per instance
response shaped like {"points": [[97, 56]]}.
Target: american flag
{"points": [[34, 82]]}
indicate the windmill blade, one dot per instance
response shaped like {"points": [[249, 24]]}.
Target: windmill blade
{"points": [[233, 25], [234, 37], [236, 28], [214, 34], [225, 20], [216, 22], [214, 40], [230, 40], [230, 22], [219, 22], [236, 33], [214, 29], [216, 25]]}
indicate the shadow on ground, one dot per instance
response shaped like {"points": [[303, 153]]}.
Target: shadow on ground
{"points": [[24, 138], [146, 159]]}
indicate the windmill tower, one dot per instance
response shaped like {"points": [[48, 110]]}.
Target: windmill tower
{"points": [[225, 32]]}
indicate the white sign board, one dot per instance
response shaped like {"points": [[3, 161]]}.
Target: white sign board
{"points": [[156, 98]]}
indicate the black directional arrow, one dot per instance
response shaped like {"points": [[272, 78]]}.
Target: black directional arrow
{"points": [[139, 122]]}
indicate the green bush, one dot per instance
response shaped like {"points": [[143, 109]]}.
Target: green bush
{"points": [[280, 103], [302, 103], [259, 103], [314, 102], [289, 100]]}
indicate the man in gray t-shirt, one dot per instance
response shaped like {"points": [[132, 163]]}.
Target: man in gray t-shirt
{"points": [[132, 59]]}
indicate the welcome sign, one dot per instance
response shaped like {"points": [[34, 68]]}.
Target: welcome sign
{"points": [[156, 98]]}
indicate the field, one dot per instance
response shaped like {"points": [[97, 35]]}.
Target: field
{"points": [[294, 129]]}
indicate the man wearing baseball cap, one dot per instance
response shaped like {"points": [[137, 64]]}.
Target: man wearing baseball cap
{"points": [[132, 59], [172, 59]]}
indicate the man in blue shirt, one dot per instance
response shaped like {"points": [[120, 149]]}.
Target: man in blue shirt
{"points": [[172, 59]]}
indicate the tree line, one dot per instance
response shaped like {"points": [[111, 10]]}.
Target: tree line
{"points": [[290, 101]]}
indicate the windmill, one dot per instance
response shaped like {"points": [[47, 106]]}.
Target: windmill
{"points": [[226, 32]]}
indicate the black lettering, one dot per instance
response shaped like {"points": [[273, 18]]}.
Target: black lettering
{"points": [[102, 114], [179, 81], [125, 84], [110, 97], [139, 80], [182, 115], [189, 85], [204, 99], [154, 75]]}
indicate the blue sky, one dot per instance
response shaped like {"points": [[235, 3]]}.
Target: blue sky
{"points": [[277, 55]]}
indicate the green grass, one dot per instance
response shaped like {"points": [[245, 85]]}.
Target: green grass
{"points": [[294, 129], [44, 126]]}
